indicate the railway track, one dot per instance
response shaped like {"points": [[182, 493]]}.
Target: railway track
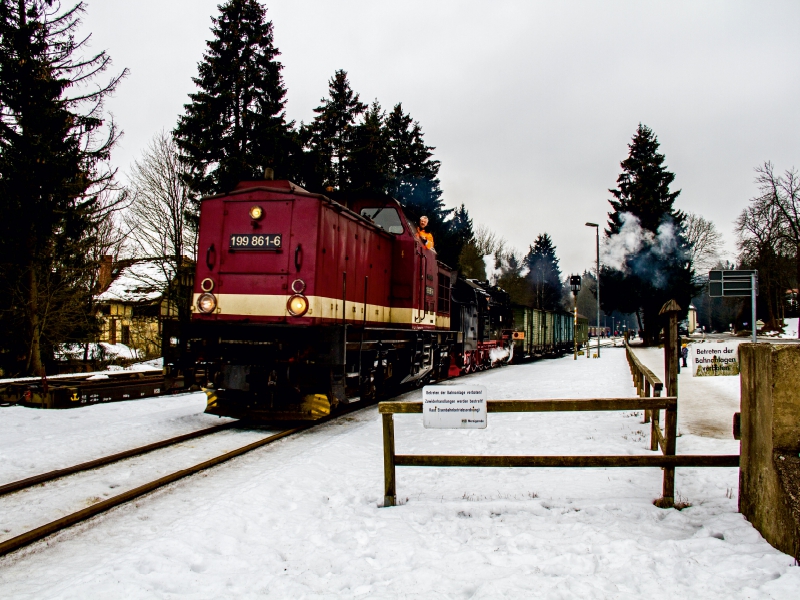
{"points": [[38, 533], [22, 484]]}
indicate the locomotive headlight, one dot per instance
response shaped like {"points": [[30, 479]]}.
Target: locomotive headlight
{"points": [[297, 305], [256, 212], [206, 303]]}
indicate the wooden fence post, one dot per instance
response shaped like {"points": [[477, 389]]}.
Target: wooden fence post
{"points": [[655, 425], [671, 349], [670, 433], [389, 492]]}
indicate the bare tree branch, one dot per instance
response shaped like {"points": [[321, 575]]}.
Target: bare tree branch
{"points": [[487, 242], [159, 200], [705, 242]]}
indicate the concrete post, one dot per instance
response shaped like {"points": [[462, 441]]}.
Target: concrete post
{"points": [[769, 476]]}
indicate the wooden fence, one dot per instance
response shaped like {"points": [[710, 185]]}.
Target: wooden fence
{"points": [[667, 442], [647, 385]]}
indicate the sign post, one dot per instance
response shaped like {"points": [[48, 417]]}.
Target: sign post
{"points": [[736, 284], [575, 286]]}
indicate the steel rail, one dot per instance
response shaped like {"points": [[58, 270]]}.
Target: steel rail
{"points": [[22, 484], [39, 533]]}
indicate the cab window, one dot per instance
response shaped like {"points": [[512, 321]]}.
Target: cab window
{"points": [[384, 217]]}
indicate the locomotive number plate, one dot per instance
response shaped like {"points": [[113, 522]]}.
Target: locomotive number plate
{"points": [[255, 241]]}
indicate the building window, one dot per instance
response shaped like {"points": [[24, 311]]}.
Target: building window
{"points": [[444, 293], [126, 335]]}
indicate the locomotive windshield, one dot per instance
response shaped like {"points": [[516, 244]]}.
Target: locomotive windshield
{"points": [[385, 217]]}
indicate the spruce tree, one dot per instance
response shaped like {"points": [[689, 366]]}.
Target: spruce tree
{"points": [[414, 172], [54, 147], [470, 262], [367, 162], [235, 125], [457, 234], [644, 186], [414, 181], [544, 274], [330, 136], [511, 278], [660, 268]]}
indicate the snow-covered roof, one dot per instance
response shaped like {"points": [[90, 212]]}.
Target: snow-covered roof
{"points": [[140, 282]]}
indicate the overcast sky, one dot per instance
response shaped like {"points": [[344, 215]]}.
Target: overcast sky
{"points": [[530, 105]]}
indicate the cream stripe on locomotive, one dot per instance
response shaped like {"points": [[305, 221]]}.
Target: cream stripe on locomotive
{"points": [[258, 305]]}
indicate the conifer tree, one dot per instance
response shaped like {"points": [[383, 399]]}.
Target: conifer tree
{"points": [[587, 296], [235, 125], [54, 147], [415, 174], [367, 162], [470, 262], [331, 134], [544, 274], [644, 186], [511, 278], [457, 234], [353, 148], [659, 269]]}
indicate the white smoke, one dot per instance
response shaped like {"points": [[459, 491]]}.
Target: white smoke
{"points": [[629, 241], [638, 249], [498, 354]]}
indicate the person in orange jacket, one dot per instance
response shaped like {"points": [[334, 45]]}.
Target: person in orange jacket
{"points": [[424, 236]]}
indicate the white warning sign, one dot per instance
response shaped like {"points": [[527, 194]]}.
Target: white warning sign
{"points": [[714, 360], [454, 406]]}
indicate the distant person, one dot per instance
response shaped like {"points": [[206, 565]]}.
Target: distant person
{"points": [[684, 354], [425, 237]]}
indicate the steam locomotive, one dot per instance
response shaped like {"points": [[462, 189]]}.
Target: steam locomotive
{"points": [[303, 305]]}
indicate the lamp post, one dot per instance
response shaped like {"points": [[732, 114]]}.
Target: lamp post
{"points": [[575, 286], [597, 230]]}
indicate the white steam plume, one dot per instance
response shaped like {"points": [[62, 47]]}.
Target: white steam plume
{"points": [[637, 249]]}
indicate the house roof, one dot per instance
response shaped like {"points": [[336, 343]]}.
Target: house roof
{"points": [[143, 281]]}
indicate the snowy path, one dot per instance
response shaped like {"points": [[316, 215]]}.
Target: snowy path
{"points": [[705, 404], [300, 518]]}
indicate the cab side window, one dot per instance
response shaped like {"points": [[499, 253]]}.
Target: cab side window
{"points": [[384, 217]]}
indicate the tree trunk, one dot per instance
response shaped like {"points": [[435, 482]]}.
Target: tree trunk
{"points": [[652, 326], [770, 321], [35, 365]]}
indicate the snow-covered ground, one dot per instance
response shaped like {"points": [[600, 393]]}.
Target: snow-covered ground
{"points": [[34, 441], [147, 365], [790, 330], [301, 518]]}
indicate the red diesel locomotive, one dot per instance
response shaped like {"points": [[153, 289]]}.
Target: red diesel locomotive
{"points": [[302, 304]]}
